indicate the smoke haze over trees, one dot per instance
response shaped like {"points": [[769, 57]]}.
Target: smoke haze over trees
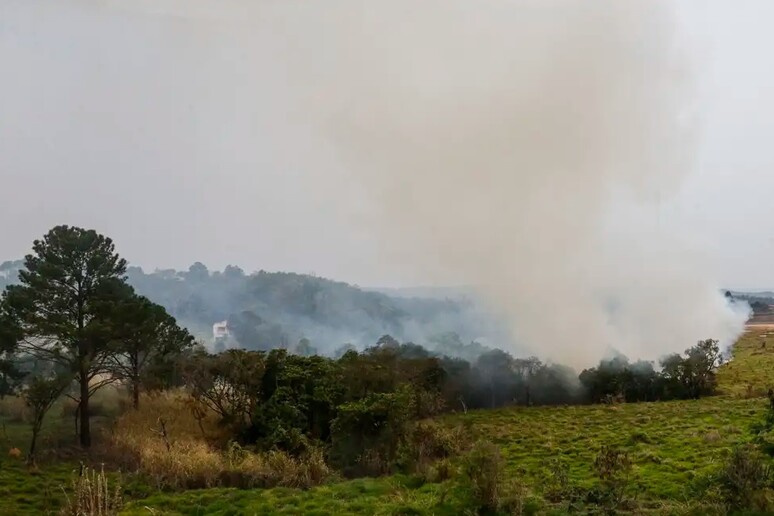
{"points": [[265, 310]]}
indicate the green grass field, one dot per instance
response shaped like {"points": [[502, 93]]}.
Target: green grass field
{"points": [[673, 445]]}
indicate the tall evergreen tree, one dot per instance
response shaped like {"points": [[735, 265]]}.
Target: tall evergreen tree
{"points": [[64, 304]]}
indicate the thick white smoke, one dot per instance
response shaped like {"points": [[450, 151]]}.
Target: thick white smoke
{"points": [[503, 143], [520, 146]]}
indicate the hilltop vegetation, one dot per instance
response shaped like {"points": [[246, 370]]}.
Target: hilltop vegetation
{"points": [[266, 310]]}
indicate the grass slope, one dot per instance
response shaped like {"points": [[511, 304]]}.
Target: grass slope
{"points": [[750, 372], [672, 445], [392, 496]]}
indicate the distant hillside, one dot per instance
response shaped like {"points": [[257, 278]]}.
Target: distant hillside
{"points": [[427, 292], [270, 309]]}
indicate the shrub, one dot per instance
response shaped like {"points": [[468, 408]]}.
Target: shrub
{"points": [[613, 468], [556, 481], [92, 495], [745, 479], [182, 451], [441, 471], [483, 471], [427, 442], [367, 434]]}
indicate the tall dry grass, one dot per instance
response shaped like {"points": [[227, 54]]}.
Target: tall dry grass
{"points": [[179, 445], [92, 495]]}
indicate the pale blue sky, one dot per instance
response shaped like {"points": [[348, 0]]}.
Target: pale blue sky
{"points": [[170, 129]]}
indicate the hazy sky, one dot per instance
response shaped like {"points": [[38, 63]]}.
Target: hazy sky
{"points": [[171, 126]]}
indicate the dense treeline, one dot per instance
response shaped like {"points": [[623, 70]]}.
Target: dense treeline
{"points": [[680, 377], [363, 401], [72, 325]]}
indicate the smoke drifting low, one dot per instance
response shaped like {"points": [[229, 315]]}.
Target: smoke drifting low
{"points": [[522, 147]]}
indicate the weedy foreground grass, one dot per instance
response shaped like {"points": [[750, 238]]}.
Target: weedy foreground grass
{"points": [[383, 496]]}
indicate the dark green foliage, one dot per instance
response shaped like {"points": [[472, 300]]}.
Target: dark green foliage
{"points": [[483, 469], [10, 336], [229, 383], [73, 310], [366, 434], [745, 479], [557, 486], [39, 396], [144, 336], [613, 469], [694, 375], [364, 405], [681, 377], [428, 446], [299, 400], [64, 302]]}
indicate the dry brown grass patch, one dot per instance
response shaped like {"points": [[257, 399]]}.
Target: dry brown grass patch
{"points": [[168, 440]]}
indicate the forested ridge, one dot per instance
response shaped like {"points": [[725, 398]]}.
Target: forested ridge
{"points": [[266, 310]]}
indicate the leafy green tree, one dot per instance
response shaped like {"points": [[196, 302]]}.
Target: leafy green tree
{"points": [[63, 306], [702, 360], [10, 335], [366, 434], [496, 370], [693, 376], [39, 396], [229, 383], [300, 396], [144, 335]]}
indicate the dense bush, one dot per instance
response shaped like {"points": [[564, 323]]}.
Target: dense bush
{"points": [[745, 480], [681, 377]]}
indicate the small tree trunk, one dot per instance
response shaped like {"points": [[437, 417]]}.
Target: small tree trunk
{"points": [[85, 436], [33, 442], [136, 394], [76, 416]]}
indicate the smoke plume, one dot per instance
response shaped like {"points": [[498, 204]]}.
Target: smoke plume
{"points": [[518, 146], [522, 147]]}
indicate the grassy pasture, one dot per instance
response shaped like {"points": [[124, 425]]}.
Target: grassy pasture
{"points": [[673, 445]]}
